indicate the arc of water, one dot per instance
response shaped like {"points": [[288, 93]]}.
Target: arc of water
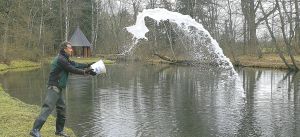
{"points": [[183, 21]]}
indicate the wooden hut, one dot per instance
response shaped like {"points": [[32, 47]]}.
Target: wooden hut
{"points": [[81, 45]]}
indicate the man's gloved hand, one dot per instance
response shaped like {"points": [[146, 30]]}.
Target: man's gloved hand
{"points": [[90, 71], [89, 64]]}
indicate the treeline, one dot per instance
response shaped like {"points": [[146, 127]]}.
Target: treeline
{"points": [[34, 28]]}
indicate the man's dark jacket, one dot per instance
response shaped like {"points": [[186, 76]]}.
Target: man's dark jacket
{"points": [[60, 68]]}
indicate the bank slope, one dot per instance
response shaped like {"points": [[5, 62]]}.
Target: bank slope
{"points": [[16, 118]]}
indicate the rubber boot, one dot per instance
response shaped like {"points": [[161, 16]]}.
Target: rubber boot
{"points": [[35, 133], [60, 123], [38, 124], [62, 134]]}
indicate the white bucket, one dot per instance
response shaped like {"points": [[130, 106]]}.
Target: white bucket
{"points": [[99, 67]]}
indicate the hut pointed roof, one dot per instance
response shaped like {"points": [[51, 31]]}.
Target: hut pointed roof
{"points": [[79, 39]]}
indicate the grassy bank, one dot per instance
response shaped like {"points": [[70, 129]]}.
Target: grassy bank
{"points": [[82, 60], [19, 65], [89, 60], [16, 118], [267, 61]]}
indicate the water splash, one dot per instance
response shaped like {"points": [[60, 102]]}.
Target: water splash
{"points": [[204, 47]]}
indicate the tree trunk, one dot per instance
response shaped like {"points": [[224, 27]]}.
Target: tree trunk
{"points": [[183, 62], [231, 35], [66, 20], [249, 11], [152, 4], [279, 52], [41, 29], [192, 4], [97, 24], [252, 29], [286, 39], [169, 36], [61, 19], [135, 6], [297, 23], [92, 25], [31, 24], [165, 58], [5, 39], [245, 36], [113, 24], [6, 28], [245, 9]]}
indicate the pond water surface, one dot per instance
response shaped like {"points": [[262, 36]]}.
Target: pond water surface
{"points": [[171, 101]]}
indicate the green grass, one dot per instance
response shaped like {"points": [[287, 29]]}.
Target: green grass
{"points": [[22, 64], [267, 61], [19, 65], [3, 67], [16, 118], [83, 60], [89, 60]]}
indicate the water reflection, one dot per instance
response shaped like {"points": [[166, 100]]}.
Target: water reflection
{"points": [[143, 100], [271, 108], [146, 100]]}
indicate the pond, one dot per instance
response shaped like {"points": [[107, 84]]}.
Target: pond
{"points": [[136, 99]]}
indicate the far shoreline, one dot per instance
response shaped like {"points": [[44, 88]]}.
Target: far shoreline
{"points": [[268, 61]]}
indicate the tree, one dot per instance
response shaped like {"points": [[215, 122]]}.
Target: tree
{"points": [[152, 4], [136, 7], [96, 13], [279, 52], [287, 37], [229, 32], [41, 28], [67, 22], [5, 10], [187, 7], [249, 9], [297, 22]]}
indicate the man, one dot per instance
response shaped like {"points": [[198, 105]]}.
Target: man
{"points": [[60, 69]]}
